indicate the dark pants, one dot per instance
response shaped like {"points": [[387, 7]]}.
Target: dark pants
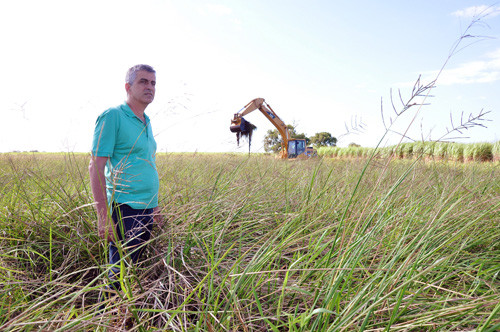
{"points": [[133, 228]]}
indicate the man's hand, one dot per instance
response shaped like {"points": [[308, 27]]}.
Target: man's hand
{"points": [[158, 216], [105, 229]]}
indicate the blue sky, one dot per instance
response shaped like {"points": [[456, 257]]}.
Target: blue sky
{"points": [[322, 66]]}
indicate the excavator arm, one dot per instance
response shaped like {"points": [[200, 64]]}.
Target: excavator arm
{"points": [[240, 125]]}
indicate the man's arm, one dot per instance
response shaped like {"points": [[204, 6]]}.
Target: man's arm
{"points": [[105, 227]]}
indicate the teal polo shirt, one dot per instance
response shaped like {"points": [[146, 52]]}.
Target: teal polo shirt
{"points": [[131, 175]]}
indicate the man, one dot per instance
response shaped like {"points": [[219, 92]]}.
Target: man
{"points": [[123, 175]]}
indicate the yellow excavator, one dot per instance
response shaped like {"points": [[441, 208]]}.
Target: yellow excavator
{"points": [[290, 147]]}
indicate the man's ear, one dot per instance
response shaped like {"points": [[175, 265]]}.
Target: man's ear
{"points": [[127, 87]]}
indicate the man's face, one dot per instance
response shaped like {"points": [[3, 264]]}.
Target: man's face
{"points": [[143, 88]]}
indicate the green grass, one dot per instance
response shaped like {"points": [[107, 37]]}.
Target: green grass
{"points": [[495, 151], [255, 244], [480, 152]]}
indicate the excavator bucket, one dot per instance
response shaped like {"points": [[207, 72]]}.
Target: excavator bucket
{"points": [[242, 127], [239, 125]]}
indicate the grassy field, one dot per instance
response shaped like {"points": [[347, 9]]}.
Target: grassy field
{"points": [[258, 244]]}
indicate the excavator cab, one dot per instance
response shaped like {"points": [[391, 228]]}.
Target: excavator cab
{"points": [[296, 147]]}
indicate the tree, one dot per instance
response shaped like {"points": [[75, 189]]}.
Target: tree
{"points": [[301, 136], [323, 139], [272, 140]]}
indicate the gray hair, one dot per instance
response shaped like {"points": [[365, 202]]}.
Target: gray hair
{"points": [[132, 72]]}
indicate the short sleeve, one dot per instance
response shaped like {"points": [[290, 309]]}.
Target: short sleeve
{"points": [[103, 142]]}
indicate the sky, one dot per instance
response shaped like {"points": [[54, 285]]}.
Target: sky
{"points": [[322, 65]]}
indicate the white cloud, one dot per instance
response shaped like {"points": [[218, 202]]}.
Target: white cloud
{"points": [[471, 72], [483, 71], [494, 55], [219, 10], [478, 11], [236, 21]]}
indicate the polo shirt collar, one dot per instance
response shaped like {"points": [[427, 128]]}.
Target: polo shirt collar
{"points": [[128, 111]]}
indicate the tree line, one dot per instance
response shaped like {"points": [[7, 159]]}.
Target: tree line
{"points": [[273, 140]]}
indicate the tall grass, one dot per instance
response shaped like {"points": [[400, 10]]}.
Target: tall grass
{"points": [[259, 244], [457, 151], [480, 152], [495, 151]]}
